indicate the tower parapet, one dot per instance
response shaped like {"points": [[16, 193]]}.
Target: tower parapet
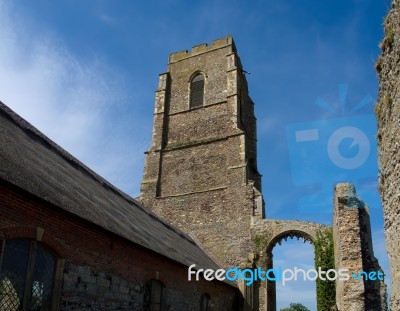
{"points": [[202, 48]]}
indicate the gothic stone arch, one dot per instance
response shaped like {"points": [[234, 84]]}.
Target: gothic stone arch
{"points": [[266, 234]]}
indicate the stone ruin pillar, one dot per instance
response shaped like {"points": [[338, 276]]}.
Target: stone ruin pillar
{"points": [[353, 251]]}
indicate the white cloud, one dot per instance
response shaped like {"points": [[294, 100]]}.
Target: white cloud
{"points": [[69, 100]]}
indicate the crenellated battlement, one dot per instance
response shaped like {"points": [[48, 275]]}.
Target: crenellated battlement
{"points": [[202, 48]]}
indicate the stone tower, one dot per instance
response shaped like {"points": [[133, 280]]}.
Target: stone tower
{"points": [[201, 169], [201, 176]]}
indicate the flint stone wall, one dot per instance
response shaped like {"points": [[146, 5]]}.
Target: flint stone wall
{"points": [[388, 116], [353, 251]]}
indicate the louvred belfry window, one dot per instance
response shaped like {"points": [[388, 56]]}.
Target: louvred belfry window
{"points": [[197, 91], [27, 270]]}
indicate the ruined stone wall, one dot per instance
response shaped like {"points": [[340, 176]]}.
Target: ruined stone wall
{"points": [[353, 251], [200, 172], [388, 115], [267, 233], [270, 231]]}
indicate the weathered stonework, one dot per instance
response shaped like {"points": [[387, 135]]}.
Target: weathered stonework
{"points": [[201, 176], [267, 233], [388, 116], [200, 171], [354, 251], [86, 289]]}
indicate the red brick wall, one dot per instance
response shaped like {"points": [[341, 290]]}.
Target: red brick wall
{"points": [[100, 252]]}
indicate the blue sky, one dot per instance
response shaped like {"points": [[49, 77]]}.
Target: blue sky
{"points": [[85, 72]]}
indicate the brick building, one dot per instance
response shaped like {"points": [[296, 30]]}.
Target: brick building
{"points": [[72, 241]]}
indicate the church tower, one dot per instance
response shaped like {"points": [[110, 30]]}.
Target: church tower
{"points": [[201, 169]]}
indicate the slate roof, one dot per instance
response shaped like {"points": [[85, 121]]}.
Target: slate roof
{"points": [[31, 161]]}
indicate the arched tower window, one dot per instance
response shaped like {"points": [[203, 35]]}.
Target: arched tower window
{"points": [[197, 91], [27, 270]]}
